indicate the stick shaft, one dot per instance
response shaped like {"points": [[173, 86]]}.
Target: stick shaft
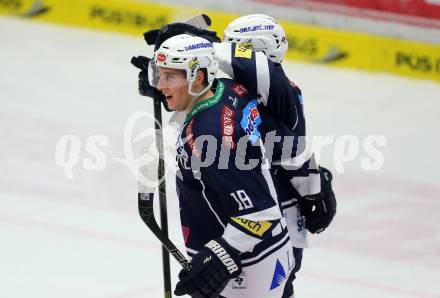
{"points": [[145, 200], [162, 196]]}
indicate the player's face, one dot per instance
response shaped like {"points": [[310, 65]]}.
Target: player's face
{"points": [[173, 84]]}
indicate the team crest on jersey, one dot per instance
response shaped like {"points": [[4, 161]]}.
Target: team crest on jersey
{"points": [[250, 121], [228, 127], [239, 89]]}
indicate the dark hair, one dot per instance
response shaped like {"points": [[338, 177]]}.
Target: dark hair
{"points": [[205, 79], [205, 76]]}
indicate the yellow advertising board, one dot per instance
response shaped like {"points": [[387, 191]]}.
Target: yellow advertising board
{"points": [[407, 58], [306, 42]]}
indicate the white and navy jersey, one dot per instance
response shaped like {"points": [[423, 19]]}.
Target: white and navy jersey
{"points": [[224, 184], [283, 100], [260, 76]]}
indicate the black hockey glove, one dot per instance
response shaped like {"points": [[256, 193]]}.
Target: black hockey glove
{"points": [[144, 87], [319, 209], [215, 264], [158, 36]]}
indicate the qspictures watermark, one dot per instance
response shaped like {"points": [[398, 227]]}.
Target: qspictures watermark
{"points": [[73, 152]]}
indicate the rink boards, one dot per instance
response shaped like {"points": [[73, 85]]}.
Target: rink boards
{"points": [[306, 43]]}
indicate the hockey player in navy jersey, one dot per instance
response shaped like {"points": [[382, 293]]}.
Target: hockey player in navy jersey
{"points": [[260, 70], [260, 76], [234, 229]]}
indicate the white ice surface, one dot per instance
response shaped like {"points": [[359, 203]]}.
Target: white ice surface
{"points": [[83, 237]]}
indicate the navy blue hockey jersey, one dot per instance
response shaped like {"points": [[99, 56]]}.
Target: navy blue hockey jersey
{"points": [[283, 100], [225, 184]]}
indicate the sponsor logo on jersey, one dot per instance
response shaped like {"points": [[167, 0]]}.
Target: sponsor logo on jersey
{"points": [[200, 45], [161, 57], [222, 255], [228, 127], [239, 89], [255, 227], [279, 276], [191, 140], [185, 232], [240, 282], [300, 223], [257, 28], [234, 101], [250, 121], [241, 51]]}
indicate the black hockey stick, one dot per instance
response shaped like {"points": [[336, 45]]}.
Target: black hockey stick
{"points": [[146, 209], [145, 204], [146, 194]]}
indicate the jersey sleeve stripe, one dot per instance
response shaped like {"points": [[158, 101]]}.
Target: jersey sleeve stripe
{"points": [[209, 204], [267, 251], [240, 240], [263, 76], [288, 203]]}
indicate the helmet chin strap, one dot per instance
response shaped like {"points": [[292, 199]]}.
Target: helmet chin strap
{"points": [[196, 95]]}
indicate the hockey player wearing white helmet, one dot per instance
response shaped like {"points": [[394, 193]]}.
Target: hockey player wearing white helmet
{"points": [[264, 34], [183, 70], [283, 100], [234, 231]]}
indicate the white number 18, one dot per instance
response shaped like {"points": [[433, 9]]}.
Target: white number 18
{"points": [[243, 200]]}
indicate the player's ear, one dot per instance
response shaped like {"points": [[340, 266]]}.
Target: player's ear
{"points": [[201, 79]]}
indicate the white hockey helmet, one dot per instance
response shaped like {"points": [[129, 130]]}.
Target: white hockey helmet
{"points": [[189, 53], [262, 32]]}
